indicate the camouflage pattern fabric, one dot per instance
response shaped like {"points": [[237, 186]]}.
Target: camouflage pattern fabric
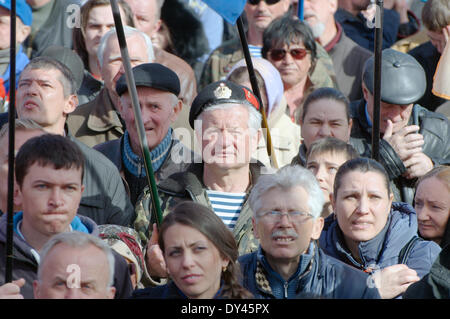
{"points": [[188, 186]]}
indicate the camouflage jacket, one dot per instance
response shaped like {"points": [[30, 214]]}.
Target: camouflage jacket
{"points": [[224, 57], [189, 186]]}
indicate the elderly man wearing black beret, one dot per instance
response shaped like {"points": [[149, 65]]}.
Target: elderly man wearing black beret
{"points": [[157, 88], [414, 139], [227, 122]]}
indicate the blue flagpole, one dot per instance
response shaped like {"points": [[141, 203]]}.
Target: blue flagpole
{"points": [[300, 9]]}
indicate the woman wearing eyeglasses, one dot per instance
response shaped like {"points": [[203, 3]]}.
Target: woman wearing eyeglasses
{"points": [[289, 45], [370, 232], [200, 255]]}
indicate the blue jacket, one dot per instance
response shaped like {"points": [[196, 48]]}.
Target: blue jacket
{"points": [[21, 62], [384, 249], [325, 277]]}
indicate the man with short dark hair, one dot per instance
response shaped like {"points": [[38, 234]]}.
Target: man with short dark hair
{"points": [[414, 139], [46, 94], [49, 173]]}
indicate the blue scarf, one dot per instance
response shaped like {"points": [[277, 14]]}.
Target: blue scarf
{"points": [[135, 163]]}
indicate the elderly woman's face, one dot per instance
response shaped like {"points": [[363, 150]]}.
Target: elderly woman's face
{"points": [[362, 205], [432, 205], [193, 262], [292, 61]]}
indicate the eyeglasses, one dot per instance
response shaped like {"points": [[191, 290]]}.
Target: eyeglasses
{"points": [[279, 54], [269, 2], [275, 216]]}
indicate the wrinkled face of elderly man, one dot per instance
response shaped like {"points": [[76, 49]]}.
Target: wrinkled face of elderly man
{"points": [[159, 109], [284, 225], [229, 136], [56, 282]]}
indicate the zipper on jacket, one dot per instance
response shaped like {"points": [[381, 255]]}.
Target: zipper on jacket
{"points": [[286, 285]]}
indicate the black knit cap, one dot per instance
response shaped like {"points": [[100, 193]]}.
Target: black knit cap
{"points": [[153, 75], [221, 92], [403, 79]]}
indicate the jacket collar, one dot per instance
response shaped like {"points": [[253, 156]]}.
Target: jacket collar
{"points": [[360, 113], [263, 269], [104, 116], [400, 227]]}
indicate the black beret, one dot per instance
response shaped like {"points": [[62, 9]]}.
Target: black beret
{"points": [[221, 92], [403, 79], [153, 75]]}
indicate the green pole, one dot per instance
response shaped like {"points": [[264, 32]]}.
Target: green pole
{"points": [[156, 207]]}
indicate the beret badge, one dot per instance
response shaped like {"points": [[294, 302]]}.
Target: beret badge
{"points": [[222, 92]]}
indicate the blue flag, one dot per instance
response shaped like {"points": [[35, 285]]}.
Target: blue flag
{"points": [[230, 10]]}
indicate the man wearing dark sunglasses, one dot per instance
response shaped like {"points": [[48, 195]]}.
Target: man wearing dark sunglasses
{"points": [[259, 14], [348, 57]]}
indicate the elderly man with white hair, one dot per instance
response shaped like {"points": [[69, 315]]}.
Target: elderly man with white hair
{"points": [[75, 265], [289, 264]]}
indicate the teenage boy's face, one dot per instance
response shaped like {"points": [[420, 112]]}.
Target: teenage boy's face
{"points": [[49, 198]]}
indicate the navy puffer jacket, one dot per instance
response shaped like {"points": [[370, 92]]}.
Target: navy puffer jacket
{"points": [[326, 277], [384, 249]]}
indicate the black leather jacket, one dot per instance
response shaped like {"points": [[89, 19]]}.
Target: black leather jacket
{"points": [[436, 133]]}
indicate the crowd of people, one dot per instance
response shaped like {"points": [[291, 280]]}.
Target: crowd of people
{"points": [[305, 214]]}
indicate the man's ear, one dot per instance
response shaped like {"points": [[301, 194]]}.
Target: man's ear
{"points": [[332, 200], [71, 104], [17, 196], [366, 92], [333, 5], [317, 228], [36, 289], [23, 33], [111, 293], [255, 229], [350, 124], [176, 110]]}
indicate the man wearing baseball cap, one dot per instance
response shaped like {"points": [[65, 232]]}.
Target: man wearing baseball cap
{"points": [[158, 89], [226, 120], [23, 28], [413, 139]]}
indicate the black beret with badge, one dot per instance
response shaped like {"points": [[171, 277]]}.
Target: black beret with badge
{"points": [[403, 79], [153, 75], [221, 92]]}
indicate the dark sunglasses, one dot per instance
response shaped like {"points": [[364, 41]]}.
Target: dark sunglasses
{"points": [[279, 54], [269, 2]]}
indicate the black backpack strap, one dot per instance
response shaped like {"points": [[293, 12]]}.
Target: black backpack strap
{"points": [[404, 253]]}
